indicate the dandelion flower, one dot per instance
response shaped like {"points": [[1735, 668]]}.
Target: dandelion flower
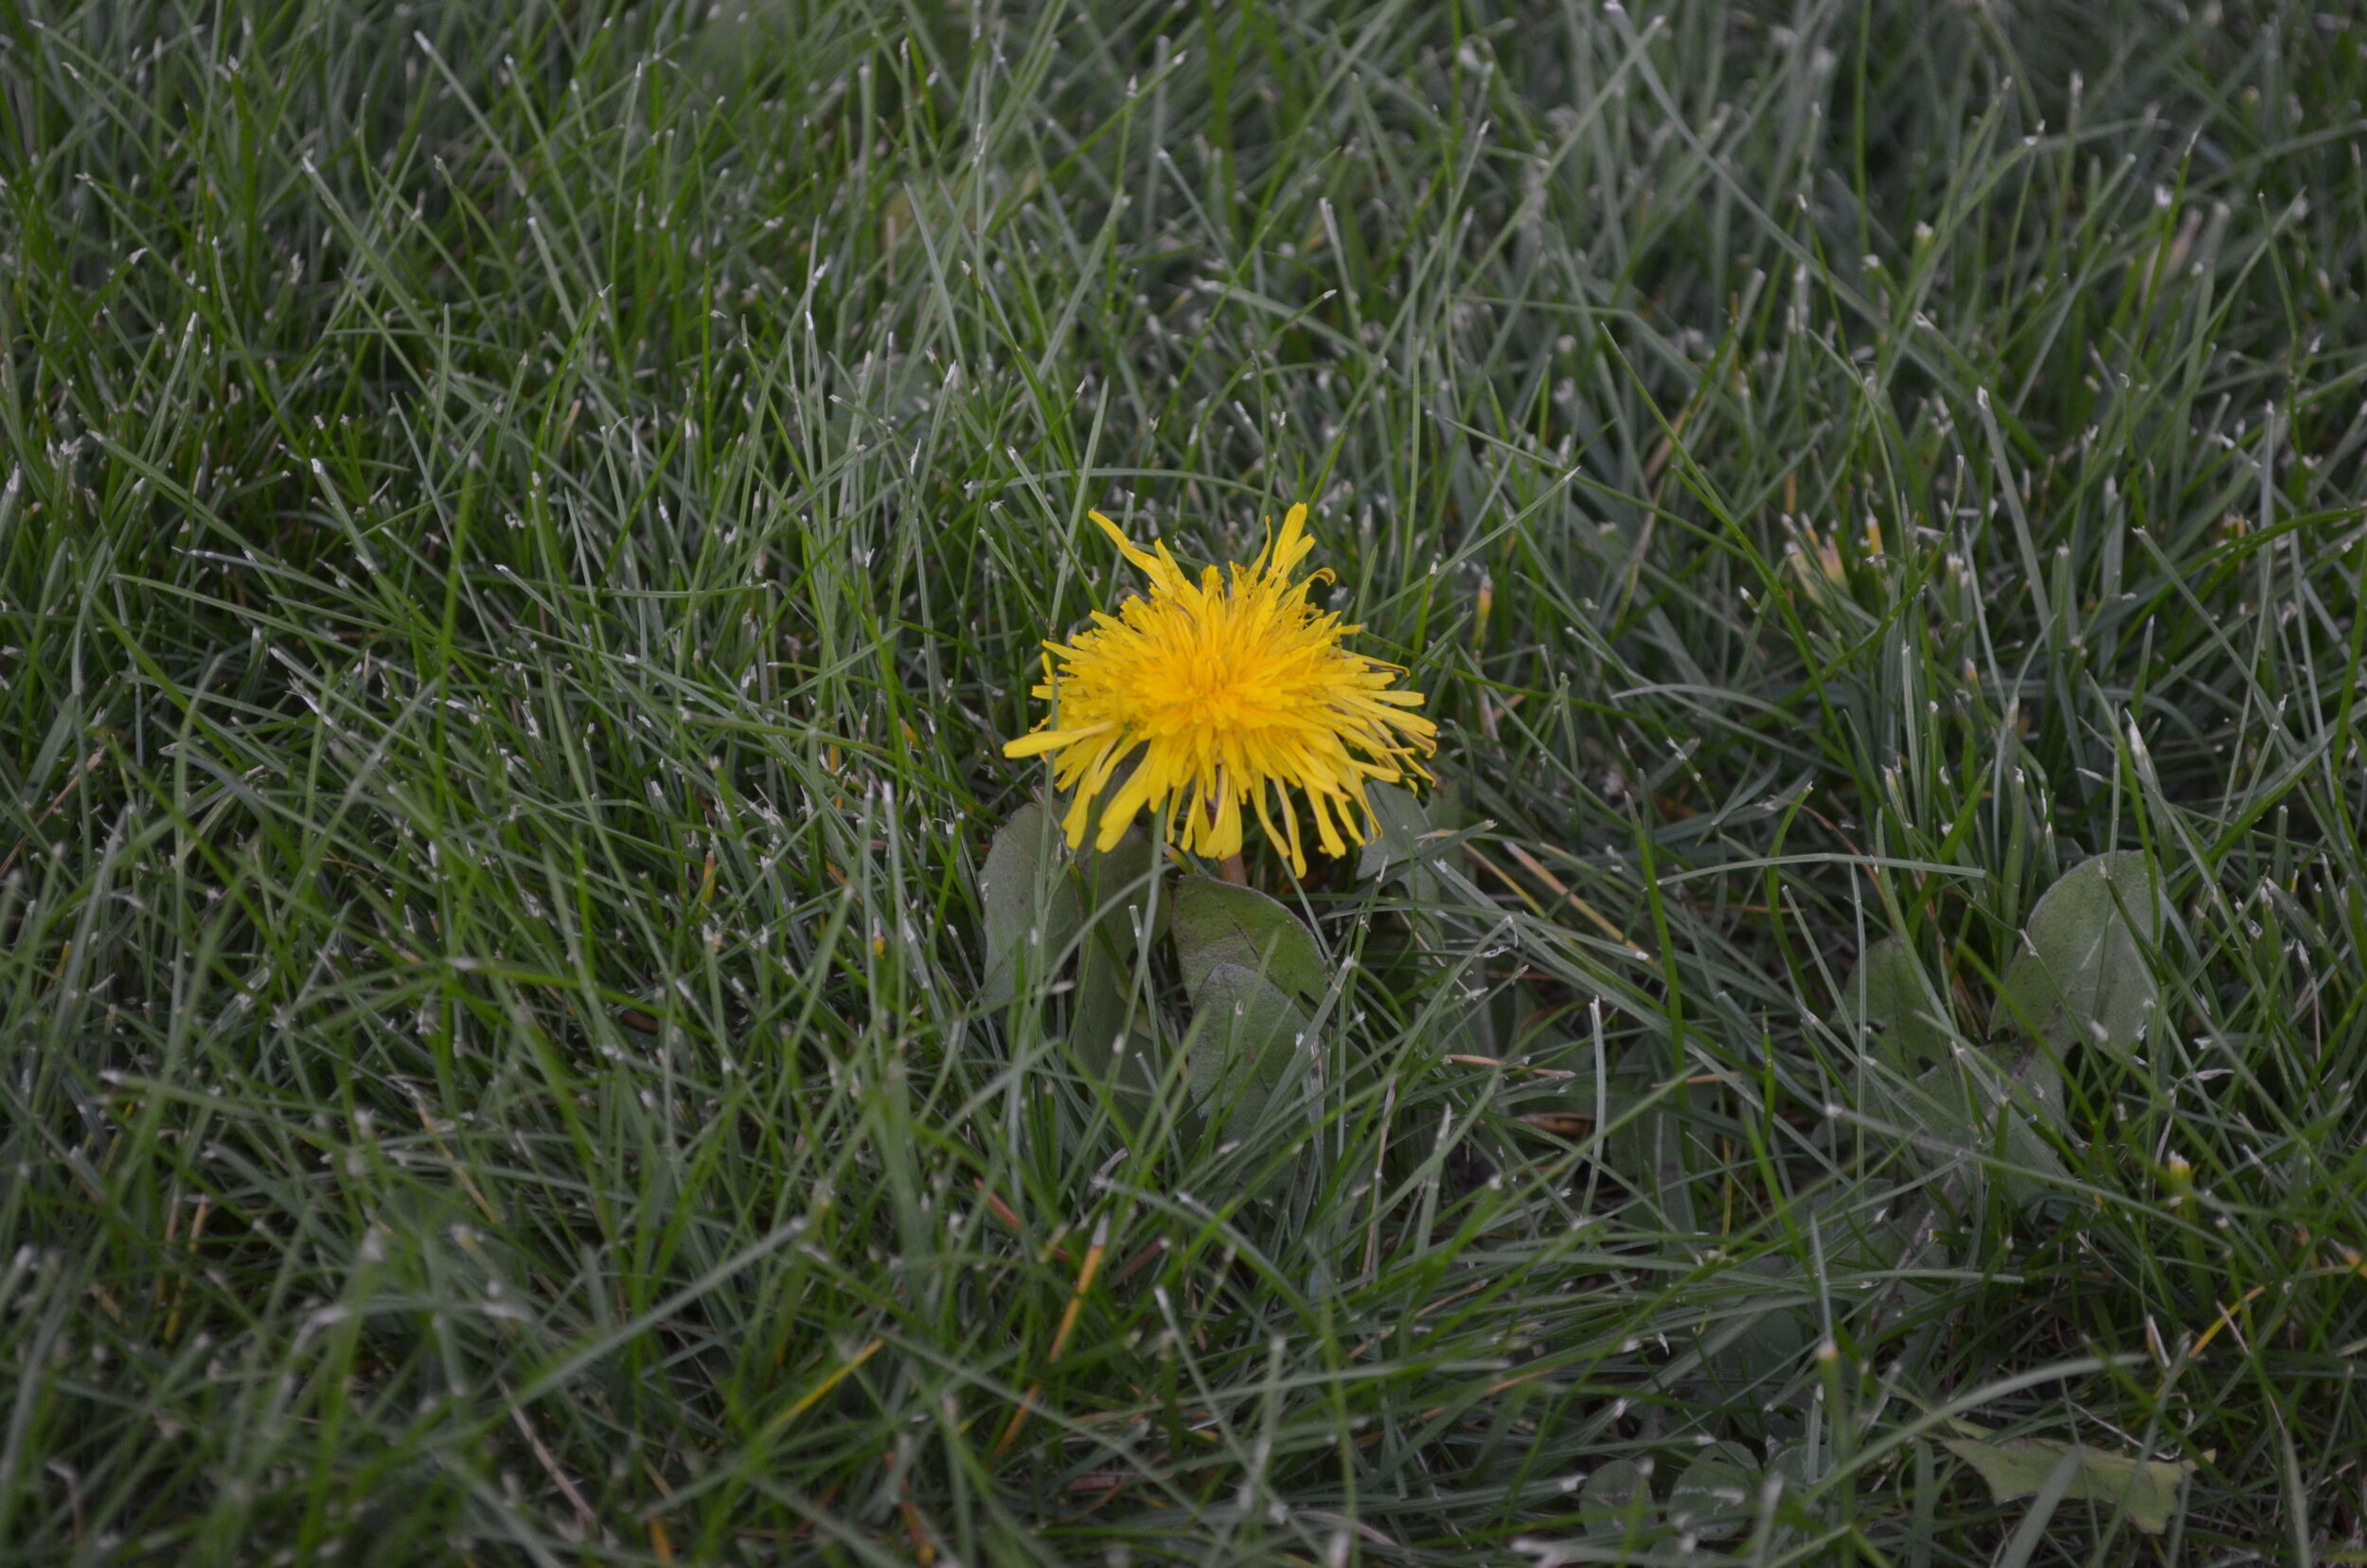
{"points": [[1225, 696]]}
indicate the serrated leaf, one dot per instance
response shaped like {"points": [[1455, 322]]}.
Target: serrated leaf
{"points": [[1219, 923], [2080, 976], [1887, 991], [1245, 1039], [1712, 1498], [2146, 1490], [1026, 903]]}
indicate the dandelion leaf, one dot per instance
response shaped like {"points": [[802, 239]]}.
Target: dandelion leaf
{"points": [[2079, 974], [1754, 1347], [2145, 1490], [1616, 1503], [1219, 923], [1119, 902], [1401, 822], [1398, 816], [1982, 1108], [1714, 1495], [1029, 907], [1888, 995], [1246, 1037], [1644, 1148]]}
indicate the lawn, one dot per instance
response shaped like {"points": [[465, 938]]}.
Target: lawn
{"points": [[527, 528]]}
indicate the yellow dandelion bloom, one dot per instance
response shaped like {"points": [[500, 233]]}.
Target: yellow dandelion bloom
{"points": [[1225, 696]]}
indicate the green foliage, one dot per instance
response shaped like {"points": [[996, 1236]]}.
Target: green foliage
{"points": [[1888, 991], [1616, 1503], [1030, 909], [1247, 1035], [1217, 923], [1714, 1497], [2146, 1489], [2080, 976], [525, 529]]}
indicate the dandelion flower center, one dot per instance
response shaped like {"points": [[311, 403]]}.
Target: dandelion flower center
{"points": [[1209, 700]]}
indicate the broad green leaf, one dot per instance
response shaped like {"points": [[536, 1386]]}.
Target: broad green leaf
{"points": [[1029, 906], [1445, 806], [2146, 1490], [1133, 1065], [1097, 1016], [1793, 1470], [1399, 846], [2079, 974], [1616, 1503], [1400, 819], [1133, 1076], [1754, 1347], [1897, 1006], [1954, 1110], [1246, 1037], [1118, 899], [1219, 923], [1794, 1465], [1859, 1241], [2037, 1084], [1646, 1149], [1713, 1498], [1118, 888]]}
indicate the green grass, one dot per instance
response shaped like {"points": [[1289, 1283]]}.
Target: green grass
{"points": [[526, 527]]}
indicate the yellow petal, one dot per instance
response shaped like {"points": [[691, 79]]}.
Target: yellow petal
{"points": [[1214, 690], [1036, 742]]}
